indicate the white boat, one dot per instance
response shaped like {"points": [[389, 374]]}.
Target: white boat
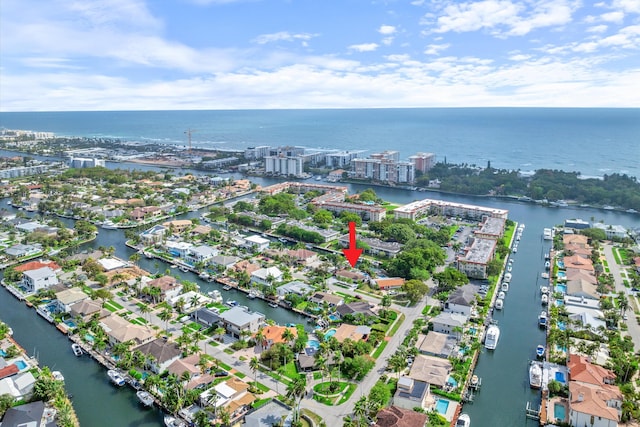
{"points": [[203, 275], [170, 421], [505, 287], [542, 319], [77, 350], [231, 303], [273, 304], [540, 351], [57, 375], [216, 296], [463, 421], [507, 277], [499, 304], [547, 265], [509, 268], [502, 295], [252, 294], [491, 339], [145, 397], [545, 299], [544, 290], [535, 375], [184, 269], [116, 378], [108, 225], [515, 249], [544, 275]]}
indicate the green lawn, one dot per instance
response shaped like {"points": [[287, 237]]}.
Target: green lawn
{"points": [[290, 370], [379, 350], [396, 325], [115, 304]]}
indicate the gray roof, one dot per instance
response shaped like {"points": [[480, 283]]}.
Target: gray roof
{"points": [[203, 250], [268, 415], [40, 273], [160, 349], [462, 296], [27, 415], [205, 315], [239, 316], [451, 319]]}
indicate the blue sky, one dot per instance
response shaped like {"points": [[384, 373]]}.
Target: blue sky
{"points": [[58, 55]]}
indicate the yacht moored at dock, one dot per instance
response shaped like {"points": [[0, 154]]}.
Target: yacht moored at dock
{"points": [[463, 421], [170, 421], [542, 319], [145, 397], [491, 339], [540, 351], [535, 375], [77, 350], [499, 304], [116, 378]]}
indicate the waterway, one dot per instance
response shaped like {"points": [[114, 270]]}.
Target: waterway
{"points": [[504, 373]]}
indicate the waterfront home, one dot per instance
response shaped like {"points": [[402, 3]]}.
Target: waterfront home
{"points": [[436, 344], [303, 257], [177, 226], [246, 266], [110, 264], [187, 364], [461, 300], [143, 213], [578, 262], [200, 254], [205, 316], [34, 265], [576, 274], [581, 369], [272, 334], [42, 278], [119, 330], [256, 243], [321, 298], [266, 276], [353, 332], [357, 307], [239, 319], [412, 393], [432, 370], [356, 276], [168, 285], [18, 386], [153, 235], [233, 395], [22, 251], [224, 261], [296, 287], [29, 414], [68, 297], [394, 416], [178, 249], [266, 415], [87, 309], [200, 230], [612, 231], [582, 288], [448, 323], [575, 239], [163, 353], [193, 299]]}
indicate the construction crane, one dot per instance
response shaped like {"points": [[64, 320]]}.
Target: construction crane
{"points": [[188, 132]]}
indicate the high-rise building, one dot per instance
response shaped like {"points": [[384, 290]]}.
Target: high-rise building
{"points": [[423, 161]]}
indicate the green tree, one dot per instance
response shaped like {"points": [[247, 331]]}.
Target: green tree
{"points": [[415, 290]]}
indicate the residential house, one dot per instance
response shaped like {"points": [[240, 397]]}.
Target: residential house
{"points": [[256, 243], [578, 262], [206, 316], [389, 283], [436, 344], [358, 307], [240, 319], [352, 332], [296, 287], [394, 416], [28, 415], [269, 415], [303, 256], [153, 235], [575, 239], [233, 395], [246, 266], [461, 300], [200, 254], [67, 298], [224, 261], [120, 330], [200, 230], [449, 323], [266, 276], [178, 249], [168, 285], [22, 251], [194, 299], [177, 226], [163, 353], [412, 393], [577, 274], [582, 288], [356, 276], [432, 370], [272, 334], [42, 278], [34, 265], [19, 386], [87, 309], [331, 300]]}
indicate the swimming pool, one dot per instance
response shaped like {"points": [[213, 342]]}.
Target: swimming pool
{"points": [[561, 326], [21, 364], [562, 275], [560, 378], [329, 334], [2, 353], [313, 344], [442, 406], [334, 317], [89, 337], [560, 264], [559, 411], [70, 323], [452, 382], [561, 288]]}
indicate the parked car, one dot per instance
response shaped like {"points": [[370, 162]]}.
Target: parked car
{"points": [[221, 374]]}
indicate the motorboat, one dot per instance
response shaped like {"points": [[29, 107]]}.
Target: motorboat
{"points": [[509, 268], [77, 350], [231, 303], [491, 339], [535, 375], [544, 275], [116, 378], [544, 290], [499, 304], [170, 421], [204, 275], [108, 225], [505, 287], [184, 269], [542, 319], [540, 351], [502, 295], [463, 421], [226, 288], [545, 299], [145, 397], [515, 250], [546, 256], [547, 265], [474, 381], [252, 294], [57, 375], [273, 304], [215, 295], [507, 277]]}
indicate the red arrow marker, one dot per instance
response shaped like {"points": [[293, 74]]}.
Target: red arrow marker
{"points": [[352, 253]]}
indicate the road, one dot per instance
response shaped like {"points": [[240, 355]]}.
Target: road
{"points": [[615, 269]]}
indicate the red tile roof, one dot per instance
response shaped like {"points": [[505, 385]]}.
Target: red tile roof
{"points": [[34, 265], [394, 416], [9, 370]]}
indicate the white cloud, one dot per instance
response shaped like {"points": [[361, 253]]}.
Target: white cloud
{"points": [[627, 38], [597, 29], [615, 17], [365, 47], [282, 36], [519, 57], [629, 6], [435, 49], [387, 30]]}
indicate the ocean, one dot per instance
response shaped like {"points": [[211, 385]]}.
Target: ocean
{"points": [[593, 142]]}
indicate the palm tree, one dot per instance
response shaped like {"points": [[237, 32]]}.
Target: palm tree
{"points": [[260, 337], [219, 331], [134, 258], [295, 391], [165, 315], [144, 309], [254, 364], [288, 335], [360, 409], [194, 300]]}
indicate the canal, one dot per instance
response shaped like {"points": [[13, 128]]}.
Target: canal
{"points": [[505, 389]]}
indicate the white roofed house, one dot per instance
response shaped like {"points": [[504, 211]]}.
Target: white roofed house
{"points": [[153, 235], [119, 330], [256, 243], [295, 287], [179, 249], [266, 276], [68, 297], [233, 395], [41, 278], [21, 251], [200, 254], [240, 319], [448, 323]]}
